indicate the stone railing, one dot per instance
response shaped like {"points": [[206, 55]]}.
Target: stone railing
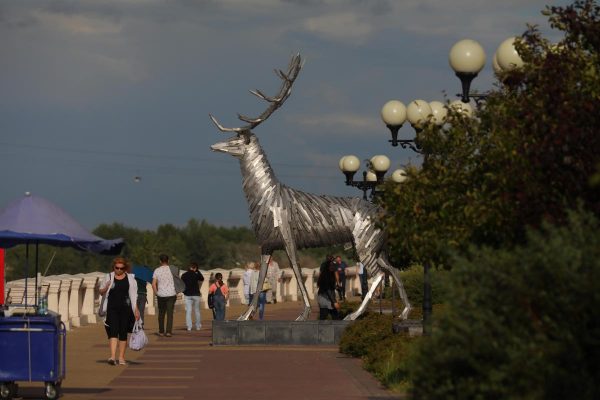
{"points": [[76, 297]]}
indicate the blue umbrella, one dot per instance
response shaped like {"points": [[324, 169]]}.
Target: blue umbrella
{"points": [[34, 220], [142, 272]]}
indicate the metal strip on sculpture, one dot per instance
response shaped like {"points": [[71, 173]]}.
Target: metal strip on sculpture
{"points": [[287, 219]]}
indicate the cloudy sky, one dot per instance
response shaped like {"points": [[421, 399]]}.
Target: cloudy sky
{"points": [[94, 93]]}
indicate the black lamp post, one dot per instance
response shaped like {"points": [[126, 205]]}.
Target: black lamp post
{"points": [[372, 177], [467, 58]]}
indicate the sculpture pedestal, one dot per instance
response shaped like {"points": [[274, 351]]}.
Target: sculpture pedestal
{"points": [[413, 327], [277, 332]]}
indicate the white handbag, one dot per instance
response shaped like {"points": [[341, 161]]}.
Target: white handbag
{"points": [[138, 339]]}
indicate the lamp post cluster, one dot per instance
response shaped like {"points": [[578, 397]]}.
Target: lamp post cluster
{"points": [[373, 176], [467, 58]]}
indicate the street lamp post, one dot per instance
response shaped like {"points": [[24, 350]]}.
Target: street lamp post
{"points": [[373, 176], [467, 58]]}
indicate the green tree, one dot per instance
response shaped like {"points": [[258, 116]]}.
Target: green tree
{"points": [[521, 323], [528, 156]]}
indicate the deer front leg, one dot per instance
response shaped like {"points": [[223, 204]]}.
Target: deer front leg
{"points": [[363, 306], [264, 264]]}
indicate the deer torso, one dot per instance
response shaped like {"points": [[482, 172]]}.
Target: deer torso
{"points": [[315, 220]]}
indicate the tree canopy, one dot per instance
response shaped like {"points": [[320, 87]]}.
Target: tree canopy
{"points": [[528, 156], [209, 245]]}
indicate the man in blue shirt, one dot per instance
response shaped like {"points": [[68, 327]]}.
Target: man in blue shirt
{"points": [[341, 270]]}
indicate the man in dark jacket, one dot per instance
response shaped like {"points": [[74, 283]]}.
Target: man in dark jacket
{"points": [[341, 277], [192, 279]]}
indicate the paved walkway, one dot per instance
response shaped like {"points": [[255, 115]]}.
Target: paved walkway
{"points": [[186, 366]]}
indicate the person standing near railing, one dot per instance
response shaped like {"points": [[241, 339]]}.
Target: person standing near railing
{"points": [[362, 277], [221, 294], [341, 271]]}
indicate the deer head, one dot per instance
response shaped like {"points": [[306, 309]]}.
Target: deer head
{"points": [[236, 145]]}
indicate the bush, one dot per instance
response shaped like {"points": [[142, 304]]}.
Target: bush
{"points": [[523, 323], [383, 352], [412, 279], [387, 361], [363, 334]]}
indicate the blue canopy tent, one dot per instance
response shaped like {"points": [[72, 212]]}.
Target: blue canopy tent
{"points": [[34, 220]]}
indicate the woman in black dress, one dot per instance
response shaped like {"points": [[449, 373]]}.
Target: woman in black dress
{"points": [[120, 306]]}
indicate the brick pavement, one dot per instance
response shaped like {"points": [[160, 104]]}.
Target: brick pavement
{"points": [[186, 366]]}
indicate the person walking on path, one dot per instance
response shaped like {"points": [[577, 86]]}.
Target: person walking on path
{"points": [[192, 279], [326, 293], [246, 278], [120, 307], [164, 287], [252, 282], [274, 277], [341, 271], [260, 292], [221, 294]]}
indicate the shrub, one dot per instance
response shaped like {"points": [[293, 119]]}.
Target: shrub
{"points": [[523, 323], [387, 361], [360, 337], [412, 279]]}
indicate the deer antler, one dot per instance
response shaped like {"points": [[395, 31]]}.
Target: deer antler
{"points": [[276, 101]]}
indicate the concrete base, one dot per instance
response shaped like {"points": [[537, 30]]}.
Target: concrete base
{"points": [[411, 326], [277, 332]]}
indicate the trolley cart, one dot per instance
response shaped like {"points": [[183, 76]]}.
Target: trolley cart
{"points": [[32, 349]]}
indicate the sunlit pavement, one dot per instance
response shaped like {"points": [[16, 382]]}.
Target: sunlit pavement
{"points": [[186, 366]]}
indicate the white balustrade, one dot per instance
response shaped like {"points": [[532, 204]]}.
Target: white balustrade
{"points": [[88, 316], [308, 275], [236, 286], [63, 300], [75, 300], [150, 306], [279, 283], [76, 297], [53, 292], [204, 286]]}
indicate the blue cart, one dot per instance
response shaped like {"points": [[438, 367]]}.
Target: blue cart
{"points": [[32, 349]]}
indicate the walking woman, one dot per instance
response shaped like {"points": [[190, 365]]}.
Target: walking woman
{"points": [[221, 294], [120, 307]]}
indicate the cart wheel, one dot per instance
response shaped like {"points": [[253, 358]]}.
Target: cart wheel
{"points": [[51, 391], [7, 390]]}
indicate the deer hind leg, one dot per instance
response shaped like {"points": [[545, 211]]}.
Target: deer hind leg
{"points": [[384, 264], [290, 249], [252, 307], [363, 306]]}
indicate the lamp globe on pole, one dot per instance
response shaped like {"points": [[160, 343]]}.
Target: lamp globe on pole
{"points": [[399, 176], [466, 58], [349, 165], [439, 111], [393, 114], [418, 112], [464, 108], [380, 165], [507, 56]]}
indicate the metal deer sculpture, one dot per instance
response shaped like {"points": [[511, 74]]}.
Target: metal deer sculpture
{"points": [[287, 219]]}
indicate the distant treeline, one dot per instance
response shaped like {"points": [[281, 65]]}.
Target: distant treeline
{"points": [[209, 245]]}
